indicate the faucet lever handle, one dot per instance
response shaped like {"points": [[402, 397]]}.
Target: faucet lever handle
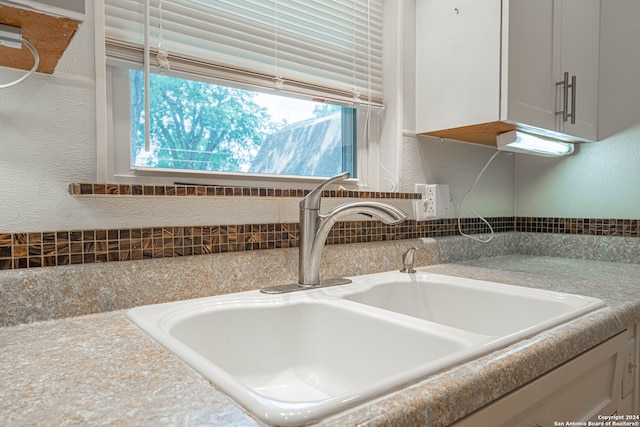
{"points": [[312, 200], [407, 260]]}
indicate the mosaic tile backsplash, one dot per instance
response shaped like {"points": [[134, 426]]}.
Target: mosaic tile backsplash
{"points": [[580, 226], [44, 249], [69, 247], [216, 191]]}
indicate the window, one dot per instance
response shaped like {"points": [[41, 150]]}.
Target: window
{"points": [[252, 88], [208, 127]]}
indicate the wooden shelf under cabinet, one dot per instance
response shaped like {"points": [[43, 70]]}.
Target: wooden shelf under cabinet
{"points": [[483, 133], [50, 35]]}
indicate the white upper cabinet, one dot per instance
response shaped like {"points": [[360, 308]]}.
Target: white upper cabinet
{"points": [[488, 67]]}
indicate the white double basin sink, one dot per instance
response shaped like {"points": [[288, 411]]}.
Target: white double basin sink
{"points": [[294, 359]]}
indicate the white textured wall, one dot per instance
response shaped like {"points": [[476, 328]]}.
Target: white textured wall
{"points": [[601, 180], [429, 160], [48, 140]]}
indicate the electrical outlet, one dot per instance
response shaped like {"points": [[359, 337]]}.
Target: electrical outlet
{"points": [[431, 201], [434, 202], [420, 205]]}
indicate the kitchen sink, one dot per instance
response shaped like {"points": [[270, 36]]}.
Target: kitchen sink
{"points": [[294, 359], [482, 307]]}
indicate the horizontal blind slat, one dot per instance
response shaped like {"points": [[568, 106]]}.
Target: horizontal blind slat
{"points": [[120, 53], [316, 43]]}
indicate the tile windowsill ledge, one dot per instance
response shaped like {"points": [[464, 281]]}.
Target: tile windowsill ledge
{"points": [[86, 189]]}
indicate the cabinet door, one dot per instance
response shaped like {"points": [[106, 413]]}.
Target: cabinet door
{"points": [[500, 60], [457, 63], [530, 90], [548, 38], [577, 35], [579, 390]]}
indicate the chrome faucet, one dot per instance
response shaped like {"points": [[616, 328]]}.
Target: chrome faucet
{"points": [[407, 260], [315, 227]]}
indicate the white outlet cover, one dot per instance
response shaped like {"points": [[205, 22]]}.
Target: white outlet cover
{"points": [[434, 203]]}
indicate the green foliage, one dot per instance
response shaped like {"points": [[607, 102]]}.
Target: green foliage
{"points": [[196, 125]]}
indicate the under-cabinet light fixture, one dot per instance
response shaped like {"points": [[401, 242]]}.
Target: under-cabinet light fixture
{"points": [[10, 36], [527, 143]]}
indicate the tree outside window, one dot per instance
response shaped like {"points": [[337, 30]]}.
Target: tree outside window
{"points": [[202, 126]]}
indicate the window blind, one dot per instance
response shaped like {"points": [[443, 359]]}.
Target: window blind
{"points": [[328, 49]]}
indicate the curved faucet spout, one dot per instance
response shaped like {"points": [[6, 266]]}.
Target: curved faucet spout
{"points": [[382, 211], [314, 229], [309, 271], [312, 200]]}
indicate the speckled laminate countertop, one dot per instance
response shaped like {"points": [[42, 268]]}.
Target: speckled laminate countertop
{"points": [[101, 370]]}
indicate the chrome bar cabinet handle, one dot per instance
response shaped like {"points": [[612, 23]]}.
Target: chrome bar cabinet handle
{"points": [[565, 97], [573, 100]]}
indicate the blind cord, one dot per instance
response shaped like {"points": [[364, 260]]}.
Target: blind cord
{"points": [[278, 80], [36, 57], [478, 239], [163, 54], [147, 80]]}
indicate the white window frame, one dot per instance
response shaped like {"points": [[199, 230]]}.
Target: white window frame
{"points": [[112, 157], [119, 147]]}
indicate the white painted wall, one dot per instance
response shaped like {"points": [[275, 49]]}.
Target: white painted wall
{"points": [[429, 160], [48, 140], [601, 180]]}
